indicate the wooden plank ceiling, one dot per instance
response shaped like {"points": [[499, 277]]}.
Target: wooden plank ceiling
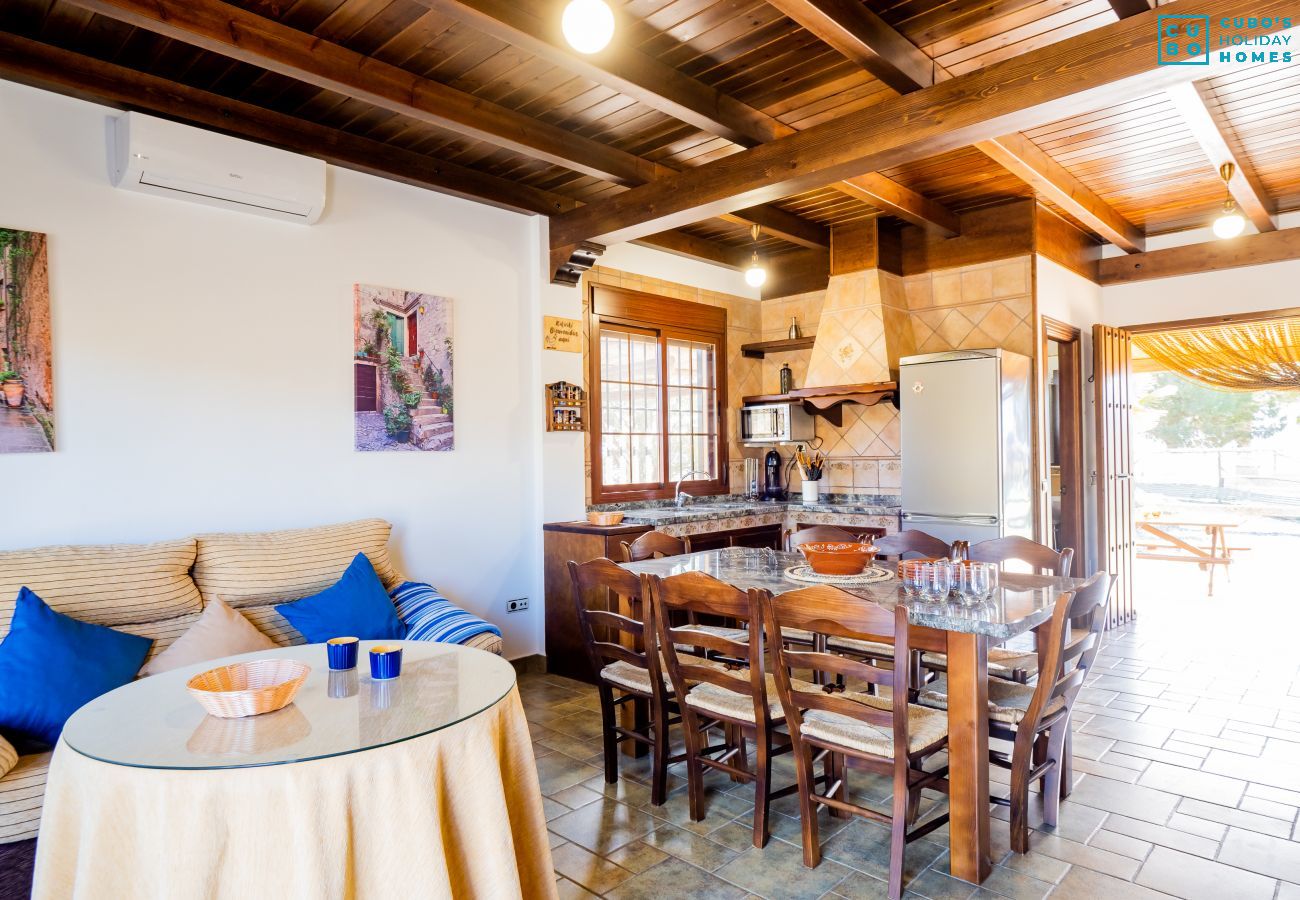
{"points": [[735, 73]]}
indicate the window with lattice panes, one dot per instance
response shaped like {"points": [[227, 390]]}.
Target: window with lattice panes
{"points": [[657, 370]]}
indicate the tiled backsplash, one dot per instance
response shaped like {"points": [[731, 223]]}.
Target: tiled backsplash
{"points": [[986, 305]]}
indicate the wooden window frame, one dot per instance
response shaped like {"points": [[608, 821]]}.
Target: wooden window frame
{"points": [[669, 319]]}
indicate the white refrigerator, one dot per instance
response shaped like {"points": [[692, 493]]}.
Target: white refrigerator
{"points": [[967, 449]]}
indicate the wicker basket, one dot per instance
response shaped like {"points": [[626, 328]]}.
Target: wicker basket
{"points": [[604, 518], [248, 689]]}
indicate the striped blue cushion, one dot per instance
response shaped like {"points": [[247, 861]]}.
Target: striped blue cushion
{"points": [[429, 616]]}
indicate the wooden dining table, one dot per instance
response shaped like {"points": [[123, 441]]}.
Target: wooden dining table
{"points": [[1021, 604]]}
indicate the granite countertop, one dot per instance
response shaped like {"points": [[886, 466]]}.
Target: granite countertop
{"points": [[706, 509], [1021, 603]]}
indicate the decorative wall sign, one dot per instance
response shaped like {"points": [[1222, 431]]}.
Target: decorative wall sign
{"points": [[562, 334], [402, 370], [26, 372]]}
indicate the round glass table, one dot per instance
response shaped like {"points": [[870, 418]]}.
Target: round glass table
{"points": [[154, 722], [422, 786]]}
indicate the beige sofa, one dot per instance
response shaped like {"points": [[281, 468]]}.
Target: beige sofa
{"points": [[159, 590]]}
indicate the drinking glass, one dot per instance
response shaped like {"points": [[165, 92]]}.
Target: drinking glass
{"points": [[912, 579], [977, 583], [993, 573], [936, 581]]}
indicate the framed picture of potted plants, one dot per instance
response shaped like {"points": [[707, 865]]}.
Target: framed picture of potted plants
{"points": [[402, 370], [26, 369]]}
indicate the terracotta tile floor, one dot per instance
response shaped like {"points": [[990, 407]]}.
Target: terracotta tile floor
{"points": [[1187, 784]]}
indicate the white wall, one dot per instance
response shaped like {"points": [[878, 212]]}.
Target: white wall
{"points": [[203, 377]]}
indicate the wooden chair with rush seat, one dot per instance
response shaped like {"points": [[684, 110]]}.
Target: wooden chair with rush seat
{"points": [[625, 658], [653, 545], [738, 697], [900, 544], [887, 735], [1037, 719]]}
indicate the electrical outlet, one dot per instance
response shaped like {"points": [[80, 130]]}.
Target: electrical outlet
{"points": [[517, 605]]}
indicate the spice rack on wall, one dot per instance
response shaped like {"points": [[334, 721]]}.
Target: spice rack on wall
{"points": [[566, 407]]}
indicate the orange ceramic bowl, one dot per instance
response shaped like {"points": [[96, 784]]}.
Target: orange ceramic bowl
{"points": [[828, 558]]}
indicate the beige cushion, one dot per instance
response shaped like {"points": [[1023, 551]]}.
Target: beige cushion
{"points": [[1008, 700], [8, 757], [487, 642], [21, 791], [865, 648], [279, 566], [633, 678], [720, 701], [1003, 661], [112, 584], [220, 631], [925, 727]]}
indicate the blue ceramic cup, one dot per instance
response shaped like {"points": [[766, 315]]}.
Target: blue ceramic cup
{"points": [[385, 662], [342, 652]]}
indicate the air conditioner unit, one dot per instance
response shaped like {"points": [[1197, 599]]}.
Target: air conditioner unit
{"points": [[155, 156]]}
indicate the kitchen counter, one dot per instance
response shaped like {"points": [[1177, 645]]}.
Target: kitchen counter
{"points": [[709, 510]]}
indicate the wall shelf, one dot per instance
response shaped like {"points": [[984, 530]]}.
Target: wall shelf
{"points": [[826, 401], [760, 349]]}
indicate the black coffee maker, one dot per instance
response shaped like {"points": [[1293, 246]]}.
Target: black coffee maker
{"points": [[774, 488]]}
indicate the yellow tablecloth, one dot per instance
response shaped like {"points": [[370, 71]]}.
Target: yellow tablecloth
{"points": [[456, 813]]}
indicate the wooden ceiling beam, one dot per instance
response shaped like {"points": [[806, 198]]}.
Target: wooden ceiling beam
{"points": [[1106, 65], [624, 68], [1210, 256], [238, 34], [679, 243], [662, 87], [868, 40], [893, 198], [1195, 103], [1024, 159], [1126, 8], [50, 68], [862, 36], [63, 71]]}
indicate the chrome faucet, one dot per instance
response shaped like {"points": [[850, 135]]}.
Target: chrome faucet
{"points": [[680, 497]]}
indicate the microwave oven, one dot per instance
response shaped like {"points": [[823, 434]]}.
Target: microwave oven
{"points": [[775, 423]]}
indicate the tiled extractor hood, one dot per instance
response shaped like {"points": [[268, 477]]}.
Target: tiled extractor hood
{"points": [[863, 331]]}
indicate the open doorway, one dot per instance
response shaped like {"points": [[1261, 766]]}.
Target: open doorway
{"points": [[1199, 468], [1061, 459]]}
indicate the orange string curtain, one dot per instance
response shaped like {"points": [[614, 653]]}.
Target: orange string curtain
{"points": [[1248, 356]]}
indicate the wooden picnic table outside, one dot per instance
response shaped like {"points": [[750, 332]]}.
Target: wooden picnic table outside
{"points": [[1175, 549]]}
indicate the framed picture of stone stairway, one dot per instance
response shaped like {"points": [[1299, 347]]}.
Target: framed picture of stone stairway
{"points": [[402, 370]]}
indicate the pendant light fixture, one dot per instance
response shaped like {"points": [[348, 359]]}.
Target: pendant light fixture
{"points": [[1230, 222], [588, 25], [756, 273]]}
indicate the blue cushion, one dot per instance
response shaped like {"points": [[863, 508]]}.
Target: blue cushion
{"points": [[51, 665], [429, 616], [356, 606]]}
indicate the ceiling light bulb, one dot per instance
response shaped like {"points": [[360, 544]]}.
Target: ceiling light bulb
{"points": [[1230, 224], [755, 275], [588, 25]]}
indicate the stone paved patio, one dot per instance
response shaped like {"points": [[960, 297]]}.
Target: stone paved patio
{"points": [[1187, 784]]}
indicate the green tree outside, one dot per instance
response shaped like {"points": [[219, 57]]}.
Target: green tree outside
{"points": [[1195, 416]]}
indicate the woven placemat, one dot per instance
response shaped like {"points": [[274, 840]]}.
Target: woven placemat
{"points": [[871, 575]]}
